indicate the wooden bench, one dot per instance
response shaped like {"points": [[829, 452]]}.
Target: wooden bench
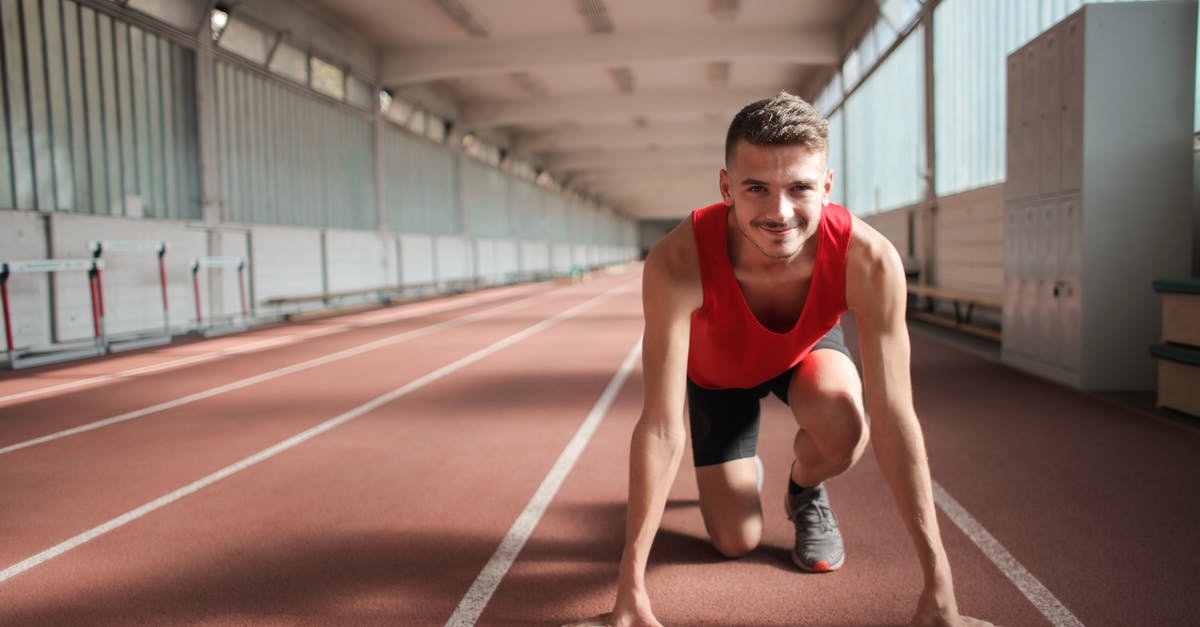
{"points": [[926, 296]]}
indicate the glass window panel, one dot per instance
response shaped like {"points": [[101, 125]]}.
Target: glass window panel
{"points": [[884, 35], [327, 78], [850, 70], [60, 119], [155, 204], [246, 39], [112, 136], [77, 107], [836, 159], [884, 128], [900, 14], [291, 62], [124, 91], [359, 93], [39, 108], [94, 106], [435, 128], [187, 15]]}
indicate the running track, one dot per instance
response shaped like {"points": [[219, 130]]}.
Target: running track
{"points": [[464, 460]]}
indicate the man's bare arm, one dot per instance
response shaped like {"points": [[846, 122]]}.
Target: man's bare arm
{"points": [[877, 293], [670, 293]]}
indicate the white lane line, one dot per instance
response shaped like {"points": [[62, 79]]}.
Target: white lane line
{"points": [[300, 438], [274, 374], [404, 313], [480, 592], [1038, 595]]}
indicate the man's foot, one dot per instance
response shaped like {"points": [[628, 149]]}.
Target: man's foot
{"points": [[819, 546]]}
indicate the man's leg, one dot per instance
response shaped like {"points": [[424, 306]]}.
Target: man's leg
{"points": [[730, 505], [826, 398], [825, 395], [724, 429]]}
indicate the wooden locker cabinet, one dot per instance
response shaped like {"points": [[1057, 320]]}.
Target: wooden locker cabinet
{"points": [[1098, 190]]}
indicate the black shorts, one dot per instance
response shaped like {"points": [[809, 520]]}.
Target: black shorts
{"points": [[725, 422]]}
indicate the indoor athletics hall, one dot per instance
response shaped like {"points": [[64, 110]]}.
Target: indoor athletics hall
{"points": [[377, 312]]}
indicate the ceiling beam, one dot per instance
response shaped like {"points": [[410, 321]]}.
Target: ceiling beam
{"points": [[609, 138], [721, 102], [615, 175], [469, 58], [712, 156]]}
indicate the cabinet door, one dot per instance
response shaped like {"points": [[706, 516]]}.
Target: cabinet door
{"points": [[1046, 316], [1026, 335], [1032, 128], [1071, 125], [1011, 327], [1069, 285], [1014, 134], [1049, 95]]}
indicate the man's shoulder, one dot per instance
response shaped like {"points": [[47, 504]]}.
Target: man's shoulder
{"points": [[868, 247], [872, 263], [676, 253], [674, 261]]}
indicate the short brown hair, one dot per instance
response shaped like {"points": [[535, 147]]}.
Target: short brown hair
{"points": [[782, 120]]}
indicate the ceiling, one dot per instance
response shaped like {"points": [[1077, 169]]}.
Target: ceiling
{"points": [[626, 101]]}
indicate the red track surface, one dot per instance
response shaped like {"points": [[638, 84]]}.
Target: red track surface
{"points": [[390, 517]]}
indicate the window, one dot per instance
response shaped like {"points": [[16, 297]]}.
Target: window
{"points": [[327, 78]]}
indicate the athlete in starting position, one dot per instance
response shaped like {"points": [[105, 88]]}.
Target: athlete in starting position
{"points": [[744, 299]]}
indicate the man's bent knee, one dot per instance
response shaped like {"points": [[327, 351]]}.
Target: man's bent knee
{"points": [[735, 544]]}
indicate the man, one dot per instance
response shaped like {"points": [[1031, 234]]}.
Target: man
{"points": [[744, 299]]}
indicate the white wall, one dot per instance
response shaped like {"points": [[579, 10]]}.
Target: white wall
{"points": [[357, 260], [535, 257], [969, 241], [454, 258], [417, 263], [24, 238], [287, 262]]}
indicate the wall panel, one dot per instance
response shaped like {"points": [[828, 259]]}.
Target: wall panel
{"points": [[357, 260]]}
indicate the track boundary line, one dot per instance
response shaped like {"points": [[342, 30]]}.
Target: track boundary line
{"points": [[1034, 591], [275, 374], [263, 343], [300, 438], [480, 593]]}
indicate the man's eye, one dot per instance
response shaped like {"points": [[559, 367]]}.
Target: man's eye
{"points": [[755, 188]]}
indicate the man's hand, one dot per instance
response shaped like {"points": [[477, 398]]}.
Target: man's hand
{"points": [[612, 619], [938, 609], [629, 612]]}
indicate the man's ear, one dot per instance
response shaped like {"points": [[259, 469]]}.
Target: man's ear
{"points": [[726, 192], [827, 188]]}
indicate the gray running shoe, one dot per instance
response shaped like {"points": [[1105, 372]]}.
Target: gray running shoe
{"points": [[819, 546]]}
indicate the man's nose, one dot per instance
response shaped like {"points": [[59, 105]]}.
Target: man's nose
{"points": [[782, 207]]}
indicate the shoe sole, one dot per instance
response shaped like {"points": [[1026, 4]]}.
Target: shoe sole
{"points": [[819, 567]]}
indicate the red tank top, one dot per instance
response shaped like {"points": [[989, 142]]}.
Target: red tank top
{"points": [[730, 348]]}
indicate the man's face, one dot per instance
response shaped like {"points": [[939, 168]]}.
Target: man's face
{"points": [[777, 193]]}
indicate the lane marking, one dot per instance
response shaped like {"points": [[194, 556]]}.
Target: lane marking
{"points": [[404, 313], [304, 436], [275, 374], [1038, 594], [480, 592]]}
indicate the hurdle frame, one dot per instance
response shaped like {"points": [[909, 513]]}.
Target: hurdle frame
{"points": [[16, 357], [98, 247], [216, 263]]}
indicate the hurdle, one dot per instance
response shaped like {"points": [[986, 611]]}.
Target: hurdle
{"points": [[98, 248], [18, 358], [219, 262]]}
